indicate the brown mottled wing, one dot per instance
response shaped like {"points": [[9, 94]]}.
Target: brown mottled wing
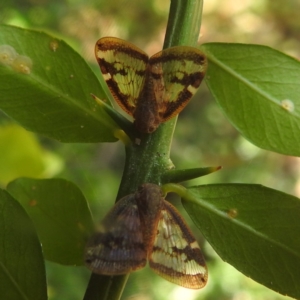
{"points": [[176, 255], [117, 247], [123, 67], [176, 73]]}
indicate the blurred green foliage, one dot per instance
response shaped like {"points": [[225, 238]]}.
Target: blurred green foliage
{"points": [[32, 161], [203, 136]]}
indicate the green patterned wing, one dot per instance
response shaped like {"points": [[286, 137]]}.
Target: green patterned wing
{"points": [[177, 73], [123, 67]]}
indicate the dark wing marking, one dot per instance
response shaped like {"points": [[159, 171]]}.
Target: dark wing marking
{"points": [[150, 202], [176, 255], [123, 67], [118, 246], [176, 74]]}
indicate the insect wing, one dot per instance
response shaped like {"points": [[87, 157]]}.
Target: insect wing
{"points": [[176, 73], [117, 247], [176, 256], [123, 66]]}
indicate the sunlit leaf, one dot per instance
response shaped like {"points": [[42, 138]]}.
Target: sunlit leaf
{"points": [[60, 214], [253, 228], [22, 270], [47, 88], [258, 89]]}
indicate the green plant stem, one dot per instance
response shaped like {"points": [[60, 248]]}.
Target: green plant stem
{"points": [[148, 157], [186, 174], [105, 287], [184, 23]]}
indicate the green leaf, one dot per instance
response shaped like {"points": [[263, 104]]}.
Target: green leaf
{"points": [[258, 89], [60, 214], [53, 95], [253, 228], [22, 270]]}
